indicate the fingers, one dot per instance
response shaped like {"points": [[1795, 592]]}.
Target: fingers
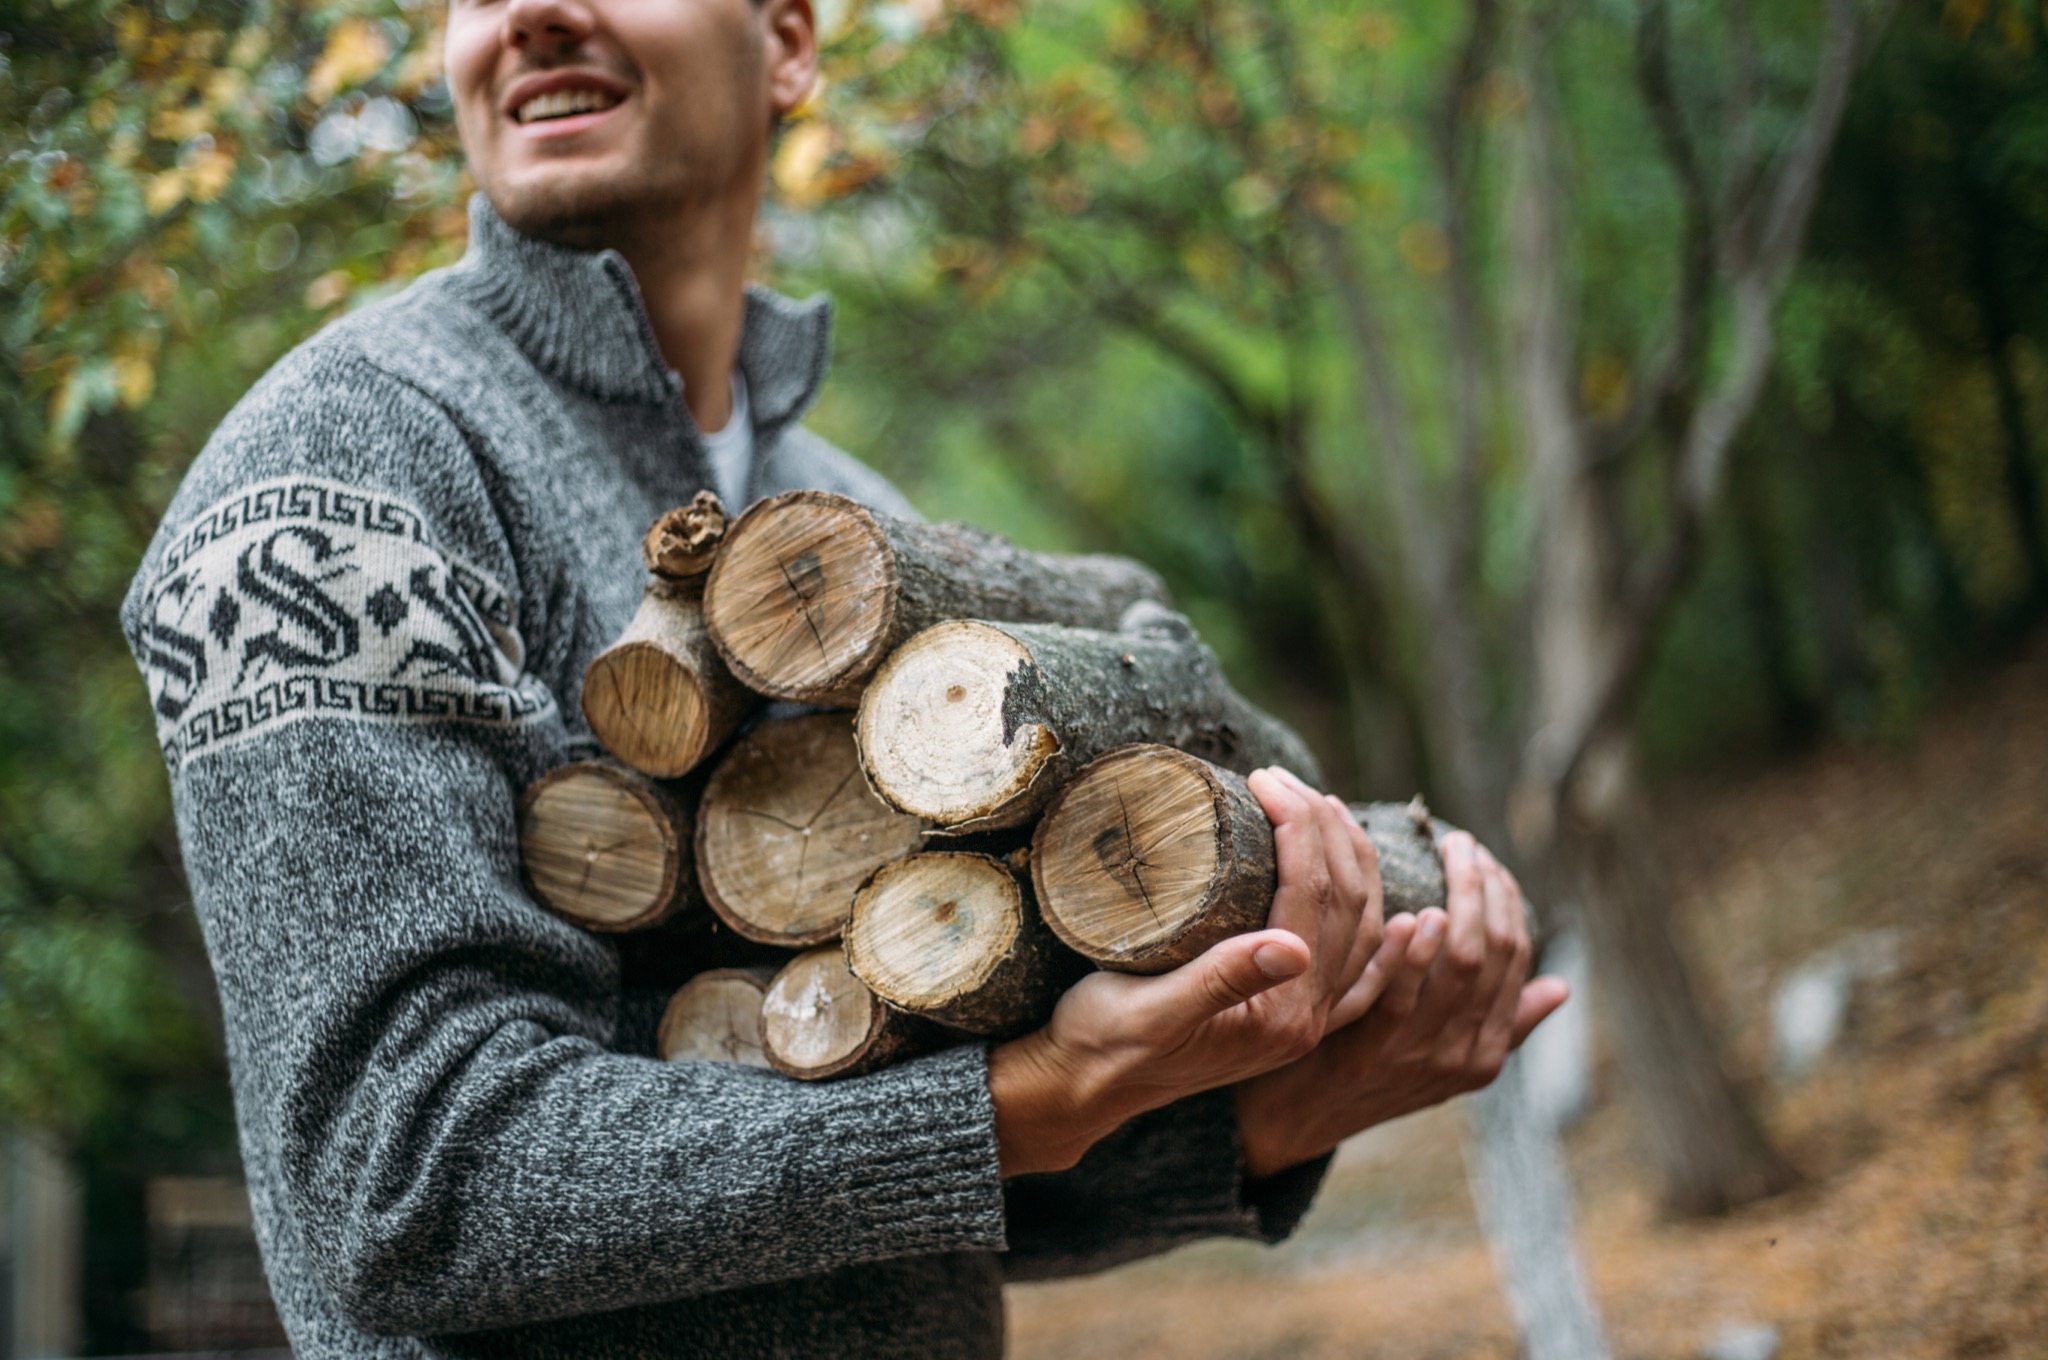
{"points": [[1507, 942], [1229, 974], [1324, 892], [1537, 1002], [1386, 964], [1399, 998]]}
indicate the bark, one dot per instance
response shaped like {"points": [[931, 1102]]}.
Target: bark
{"points": [[954, 938], [716, 1017], [978, 724], [661, 698], [607, 848], [812, 591], [788, 830], [818, 1020], [681, 544]]}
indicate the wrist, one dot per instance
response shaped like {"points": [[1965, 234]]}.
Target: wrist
{"points": [[1050, 1108], [1274, 1132]]}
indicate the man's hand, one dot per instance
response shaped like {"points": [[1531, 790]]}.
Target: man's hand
{"points": [[1119, 1045], [1442, 1004]]}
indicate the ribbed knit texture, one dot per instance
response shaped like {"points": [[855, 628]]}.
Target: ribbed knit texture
{"points": [[364, 624]]}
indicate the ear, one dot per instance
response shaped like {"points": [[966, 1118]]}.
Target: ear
{"points": [[792, 53]]}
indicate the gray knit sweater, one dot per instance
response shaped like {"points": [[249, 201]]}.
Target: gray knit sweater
{"points": [[364, 622]]}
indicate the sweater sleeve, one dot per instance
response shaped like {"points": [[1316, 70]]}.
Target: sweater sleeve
{"points": [[424, 1059], [1167, 1178]]}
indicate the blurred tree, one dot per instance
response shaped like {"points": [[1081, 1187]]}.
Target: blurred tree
{"points": [[1267, 196]]}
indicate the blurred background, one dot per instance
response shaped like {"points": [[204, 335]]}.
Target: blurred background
{"points": [[1622, 421]]}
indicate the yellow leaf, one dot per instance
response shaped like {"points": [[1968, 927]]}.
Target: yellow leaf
{"points": [[798, 161], [134, 379], [225, 86], [251, 45], [356, 50], [210, 175], [165, 192], [328, 289], [182, 124]]}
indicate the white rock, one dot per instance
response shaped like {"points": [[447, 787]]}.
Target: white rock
{"points": [[1743, 1341]]}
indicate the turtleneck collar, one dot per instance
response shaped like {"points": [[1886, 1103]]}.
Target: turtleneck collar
{"points": [[579, 316]]}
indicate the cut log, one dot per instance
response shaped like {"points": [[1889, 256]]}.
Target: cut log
{"points": [[661, 698], [716, 1017], [977, 724], [682, 543], [811, 590], [1152, 855], [789, 829], [953, 937], [818, 1020], [606, 848]]}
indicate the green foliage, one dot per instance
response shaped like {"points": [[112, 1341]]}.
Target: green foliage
{"points": [[186, 190]]}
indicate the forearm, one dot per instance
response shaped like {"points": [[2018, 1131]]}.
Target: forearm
{"points": [[424, 1053]]}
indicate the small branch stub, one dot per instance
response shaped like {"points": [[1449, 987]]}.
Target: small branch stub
{"points": [[976, 724], [811, 590], [953, 937], [660, 698], [682, 543], [604, 847], [818, 1020], [789, 829], [716, 1017]]}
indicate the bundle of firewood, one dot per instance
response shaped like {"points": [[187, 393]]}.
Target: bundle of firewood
{"points": [[1043, 774]]}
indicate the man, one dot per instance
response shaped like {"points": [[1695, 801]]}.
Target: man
{"points": [[364, 622]]}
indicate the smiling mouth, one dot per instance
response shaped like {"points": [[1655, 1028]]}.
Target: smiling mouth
{"points": [[564, 104]]}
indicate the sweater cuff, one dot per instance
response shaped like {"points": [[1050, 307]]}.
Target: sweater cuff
{"points": [[936, 1184]]}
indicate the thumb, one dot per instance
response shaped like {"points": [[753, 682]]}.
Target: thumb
{"points": [[1231, 973]]}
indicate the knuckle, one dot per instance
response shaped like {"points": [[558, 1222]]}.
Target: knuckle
{"points": [[1465, 958], [1317, 883]]}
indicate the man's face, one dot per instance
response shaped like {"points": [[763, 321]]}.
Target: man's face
{"points": [[583, 116]]}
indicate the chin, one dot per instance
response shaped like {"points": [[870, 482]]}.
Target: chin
{"points": [[586, 210]]}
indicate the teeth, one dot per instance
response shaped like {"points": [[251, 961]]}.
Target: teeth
{"points": [[562, 103]]}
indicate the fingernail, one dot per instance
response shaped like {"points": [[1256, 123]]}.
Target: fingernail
{"points": [[1276, 962], [1432, 927]]}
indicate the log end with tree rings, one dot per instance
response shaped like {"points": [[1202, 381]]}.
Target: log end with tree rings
{"points": [[788, 830], [948, 727], [818, 1020], [716, 1017], [1149, 856], [646, 704], [803, 596], [952, 937], [603, 847]]}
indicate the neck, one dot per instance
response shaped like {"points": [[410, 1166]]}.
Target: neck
{"points": [[692, 271]]}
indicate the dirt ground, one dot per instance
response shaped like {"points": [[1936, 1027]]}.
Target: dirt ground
{"points": [[1921, 1230]]}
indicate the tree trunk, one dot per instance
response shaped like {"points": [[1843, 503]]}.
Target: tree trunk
{"points": [[954, 938], [716, 1017], [1708, 1145], [812, 591], [789, 829], [818, 1020], [1524, 1198], [978, 724], [607, 848], [660, 698]]}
